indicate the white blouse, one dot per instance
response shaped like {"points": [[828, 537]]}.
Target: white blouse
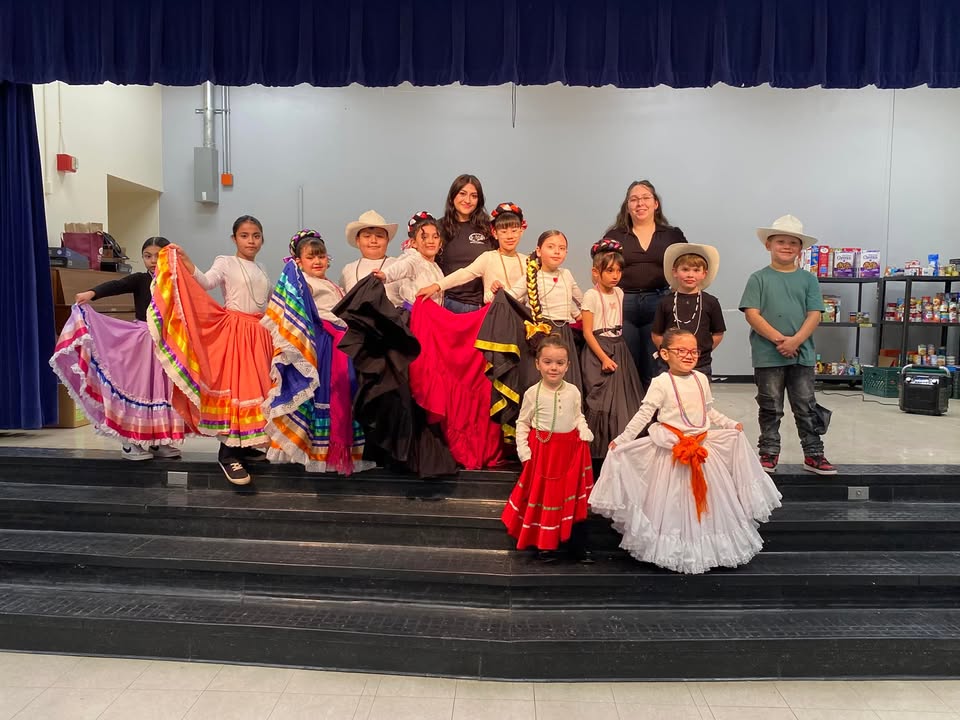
{"points": [[607, 309], [491, 266], [540, 416], [359, 269], [560, 296], [698, 409], [245, 285], [413, 271], [326, 294]]}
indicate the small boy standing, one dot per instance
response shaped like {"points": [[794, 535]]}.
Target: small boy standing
{"points": [[782, 305], [691, 269]]}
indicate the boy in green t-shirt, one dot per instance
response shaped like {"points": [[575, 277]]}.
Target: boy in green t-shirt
{"points": [[782, 305]]}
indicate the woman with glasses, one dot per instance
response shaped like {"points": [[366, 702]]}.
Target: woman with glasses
{"points": [[643, 230]]}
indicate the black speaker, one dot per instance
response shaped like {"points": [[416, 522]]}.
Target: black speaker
{"points": [[925, 391]]}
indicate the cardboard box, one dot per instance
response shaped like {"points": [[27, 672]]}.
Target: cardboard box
{"points": [[823, 262], [869, 264], [831, 312], [69, 415], [845, 262]]}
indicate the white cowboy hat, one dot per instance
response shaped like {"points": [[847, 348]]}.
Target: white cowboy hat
{"points": [[707, 252], [786, 225], [370, 219]]}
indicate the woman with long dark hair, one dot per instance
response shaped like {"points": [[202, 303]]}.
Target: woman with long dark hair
{"points": [[643, 231], [465, 230]]}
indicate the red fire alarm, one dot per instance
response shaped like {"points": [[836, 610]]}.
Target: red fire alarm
{"points": [[66, 163]]}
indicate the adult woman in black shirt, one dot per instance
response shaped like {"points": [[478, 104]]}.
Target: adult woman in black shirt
{"points": [[644, 232], [465, 230]]}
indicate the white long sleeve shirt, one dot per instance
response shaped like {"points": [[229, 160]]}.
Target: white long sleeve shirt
{"points": [[359, 269], [490, 266], [413, 271], [245, 285], [326, 294], [540, 415], [698, 408], [560, 296]]}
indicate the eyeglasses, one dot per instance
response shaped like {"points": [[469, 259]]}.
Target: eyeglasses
{"points": [[684, 352], [642, 198]]}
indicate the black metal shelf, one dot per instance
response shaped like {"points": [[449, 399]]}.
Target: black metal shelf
{"points": [[947, 281], [855, 281], [915, 324], [863, 325]]}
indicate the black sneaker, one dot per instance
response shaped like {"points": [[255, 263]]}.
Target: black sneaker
{"points": [[235, 471], [583, 556], [548, 556]]}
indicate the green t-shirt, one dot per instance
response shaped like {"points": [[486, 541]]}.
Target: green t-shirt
{"points": [[783, 299]]}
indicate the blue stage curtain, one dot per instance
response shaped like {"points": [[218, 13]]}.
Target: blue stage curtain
{"points": [[626, 43], [28, 388]]}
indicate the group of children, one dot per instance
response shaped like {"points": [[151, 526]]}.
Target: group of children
{"points": [[316, 373]]}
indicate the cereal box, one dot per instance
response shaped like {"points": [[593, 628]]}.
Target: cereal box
{"points": [[823, 264], [869, 265], [845, 262]]}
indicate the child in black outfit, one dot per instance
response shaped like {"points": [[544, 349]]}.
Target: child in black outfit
{"points": [[690, 269]]}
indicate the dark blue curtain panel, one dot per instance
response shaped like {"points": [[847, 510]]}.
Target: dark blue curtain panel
{"points": [[28, 388], [624, 43]]}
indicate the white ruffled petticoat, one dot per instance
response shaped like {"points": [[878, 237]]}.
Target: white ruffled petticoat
{"points": [[650, 501]]}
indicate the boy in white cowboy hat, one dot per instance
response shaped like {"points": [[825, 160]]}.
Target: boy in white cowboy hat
{"points": [[370, 233], [690, 269], [782, 305]]}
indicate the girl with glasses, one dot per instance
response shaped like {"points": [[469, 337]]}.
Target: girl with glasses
{"points": [[688, 497]]}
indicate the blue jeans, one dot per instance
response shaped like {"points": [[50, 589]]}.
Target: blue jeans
{"points": [[456, 306], [638, 311], [797, 380]]}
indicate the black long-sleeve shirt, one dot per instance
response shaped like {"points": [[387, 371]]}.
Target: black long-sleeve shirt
{"points": [[136, 283]]}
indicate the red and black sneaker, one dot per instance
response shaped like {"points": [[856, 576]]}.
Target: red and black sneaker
{"points": [[819, 464], [769, 462]]}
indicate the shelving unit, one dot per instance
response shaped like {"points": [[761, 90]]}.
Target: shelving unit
{"points": [[875, 313], [906, 325]]}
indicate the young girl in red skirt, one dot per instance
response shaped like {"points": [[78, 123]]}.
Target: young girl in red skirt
{"points": [[553, 443]]}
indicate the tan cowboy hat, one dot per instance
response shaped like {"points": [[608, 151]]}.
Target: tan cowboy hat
{"points": [[786, 225], [370, 219], [707, 252]]}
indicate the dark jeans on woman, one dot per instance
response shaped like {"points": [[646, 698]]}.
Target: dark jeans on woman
{"points": [[638, 311], [797, 380], [455, 306]]}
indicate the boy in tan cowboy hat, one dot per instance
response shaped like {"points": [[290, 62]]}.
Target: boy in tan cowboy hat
{"points": [[370, 234], [690, 270], [782, 305]]}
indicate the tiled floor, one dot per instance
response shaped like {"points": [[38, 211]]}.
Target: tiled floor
{"points": [[53, 687], [865, 429]]}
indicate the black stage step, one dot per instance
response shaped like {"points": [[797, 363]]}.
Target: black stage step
{"points": [[386, 573], [106, 468], [666, 644], [477, 578], [798, 526]]}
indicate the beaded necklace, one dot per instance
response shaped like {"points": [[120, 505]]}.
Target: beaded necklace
{"points": [[617, 326], [248, 281], [536, 413], [683, 412], [544, 292], [697, 313]]}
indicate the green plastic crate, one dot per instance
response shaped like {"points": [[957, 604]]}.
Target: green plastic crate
{"points": [[881, 381]]}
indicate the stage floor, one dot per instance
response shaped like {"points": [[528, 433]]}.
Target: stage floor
{"points": [[57, 687], [864, 430]]}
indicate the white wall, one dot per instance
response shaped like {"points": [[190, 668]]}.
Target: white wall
{"points": [[112, 130], [725, 160]]}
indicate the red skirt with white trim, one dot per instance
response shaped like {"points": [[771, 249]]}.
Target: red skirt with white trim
{"points": [[552, 492]]}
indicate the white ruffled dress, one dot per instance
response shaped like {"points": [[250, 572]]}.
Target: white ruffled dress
{"points": [[648, 495]]}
